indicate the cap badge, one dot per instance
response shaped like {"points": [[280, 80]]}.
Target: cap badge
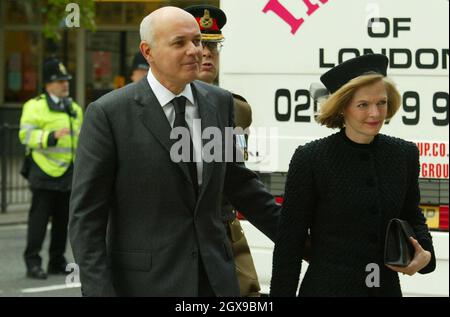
{"points": [[62, 69], [206, 21]]}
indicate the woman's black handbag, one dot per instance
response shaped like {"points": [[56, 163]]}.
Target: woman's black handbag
{"points": [[398, 249]]}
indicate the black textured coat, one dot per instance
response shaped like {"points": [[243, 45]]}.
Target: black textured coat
{"points": [[345, 193]]}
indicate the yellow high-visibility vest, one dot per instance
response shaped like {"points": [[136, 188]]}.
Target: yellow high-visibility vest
{"points": [[36, 124]]}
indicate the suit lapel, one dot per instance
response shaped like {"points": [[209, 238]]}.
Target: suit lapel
{"points": [[208, 115], [155, 120]]}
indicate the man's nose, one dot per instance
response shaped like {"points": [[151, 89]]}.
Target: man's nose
{"points": [[206, 52], [193, 49]]}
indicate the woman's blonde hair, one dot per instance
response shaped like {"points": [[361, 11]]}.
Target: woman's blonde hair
{"points": [[331, 109]]}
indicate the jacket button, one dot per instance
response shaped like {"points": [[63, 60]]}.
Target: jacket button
{"points": [[370, 182]]}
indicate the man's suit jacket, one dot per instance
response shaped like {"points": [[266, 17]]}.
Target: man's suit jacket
{"points": [[136, 228]]}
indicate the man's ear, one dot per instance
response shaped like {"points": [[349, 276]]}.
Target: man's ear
{"points": [[146, 51]]}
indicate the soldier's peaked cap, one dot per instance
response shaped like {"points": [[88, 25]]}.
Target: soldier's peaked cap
{"points": [[211, 21], [341, 74]]}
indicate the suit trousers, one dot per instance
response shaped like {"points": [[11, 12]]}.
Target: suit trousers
{"points": [[47, 204]]}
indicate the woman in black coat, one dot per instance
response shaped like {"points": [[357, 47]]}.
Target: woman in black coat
{"points": [[342, 190]]}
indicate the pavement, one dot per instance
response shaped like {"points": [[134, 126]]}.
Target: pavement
{"points": [[13, 280], [15, 215]]}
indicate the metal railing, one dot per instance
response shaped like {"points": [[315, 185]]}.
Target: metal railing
{"points": [[14, 188]]}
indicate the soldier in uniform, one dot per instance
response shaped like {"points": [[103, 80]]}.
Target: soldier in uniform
{"points": [[49, 129], [211, 20], [139, 68]]}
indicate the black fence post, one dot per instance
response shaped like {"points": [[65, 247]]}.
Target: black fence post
{"points": [[4, 131]]}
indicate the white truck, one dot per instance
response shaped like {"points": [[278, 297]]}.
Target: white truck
{"points": [[274, 51]]}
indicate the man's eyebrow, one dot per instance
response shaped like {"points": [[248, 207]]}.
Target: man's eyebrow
{"points": [[177, 38]]}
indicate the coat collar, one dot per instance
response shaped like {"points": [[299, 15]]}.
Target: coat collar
{"points": [[52, 104]]}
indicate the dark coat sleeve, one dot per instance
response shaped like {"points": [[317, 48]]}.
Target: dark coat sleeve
{"points": [[411, 211], [242, 113], [247, 193], [89, 203], [296, 218]]}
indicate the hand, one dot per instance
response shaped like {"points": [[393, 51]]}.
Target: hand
{"points": [[62, 132], [420, 260]]}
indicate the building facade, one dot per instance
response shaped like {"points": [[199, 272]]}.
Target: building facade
{"points": [[99, 61]]}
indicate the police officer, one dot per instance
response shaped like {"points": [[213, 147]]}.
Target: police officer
{"points": [[211, 21], [49, 129], [139, 68]]}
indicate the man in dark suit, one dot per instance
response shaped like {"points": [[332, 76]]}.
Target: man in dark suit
{"points": [[142, 224]]}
